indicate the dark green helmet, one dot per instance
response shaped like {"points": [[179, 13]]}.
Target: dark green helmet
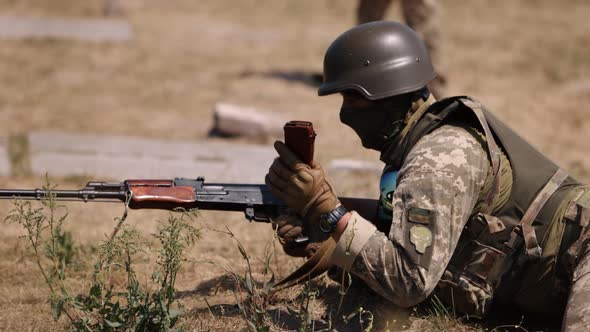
{"points": [[378, 59]]}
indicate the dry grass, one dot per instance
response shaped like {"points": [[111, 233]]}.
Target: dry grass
{"points": [[529, 61]]}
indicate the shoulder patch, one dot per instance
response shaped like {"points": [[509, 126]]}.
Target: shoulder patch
{"points": [[421, 238], [420, 216], [418, 225]]}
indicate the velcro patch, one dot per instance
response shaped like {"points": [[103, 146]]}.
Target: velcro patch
{"points": [[421, 238], [420, 216]]}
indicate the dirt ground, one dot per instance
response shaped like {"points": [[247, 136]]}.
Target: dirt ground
{"points": [[527, 60]]}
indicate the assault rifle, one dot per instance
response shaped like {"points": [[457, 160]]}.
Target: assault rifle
{"points": [[257, 202]]}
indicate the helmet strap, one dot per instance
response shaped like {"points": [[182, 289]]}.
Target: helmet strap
{"points": [[419, 98], [423, 94]]}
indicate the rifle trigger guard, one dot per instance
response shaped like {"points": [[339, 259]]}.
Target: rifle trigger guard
{"points": [[250, 213]]}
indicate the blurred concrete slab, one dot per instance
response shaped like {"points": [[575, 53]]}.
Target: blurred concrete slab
{"points": [[244, 121], [92, 30], [353, 165], [4, 159], [124, 157]]}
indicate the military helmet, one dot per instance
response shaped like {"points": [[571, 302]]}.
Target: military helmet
{"points": [[378, 59]]}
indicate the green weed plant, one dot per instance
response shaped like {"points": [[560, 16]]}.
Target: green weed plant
{"points": [[106, 306], [252, 300]]}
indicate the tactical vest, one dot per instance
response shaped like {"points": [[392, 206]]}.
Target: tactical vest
{"points": [[500, 258]]}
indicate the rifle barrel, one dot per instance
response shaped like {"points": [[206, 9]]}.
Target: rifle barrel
{"points": [[65, 195]]}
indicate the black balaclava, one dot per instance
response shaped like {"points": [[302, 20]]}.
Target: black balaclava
{"points": [[379, 123]]}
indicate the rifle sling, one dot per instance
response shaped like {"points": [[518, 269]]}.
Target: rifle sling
{"points": [[313, 267]]}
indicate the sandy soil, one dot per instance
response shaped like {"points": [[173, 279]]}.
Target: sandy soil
{"points": [[528, 61]]}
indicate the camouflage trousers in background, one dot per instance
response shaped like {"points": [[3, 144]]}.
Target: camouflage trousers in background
{"points": [[424, 17], [577, 312]]}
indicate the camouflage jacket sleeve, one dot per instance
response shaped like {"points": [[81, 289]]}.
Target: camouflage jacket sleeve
{"points": [[438, 187]]}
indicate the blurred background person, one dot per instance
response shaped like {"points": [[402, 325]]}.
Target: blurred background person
{"points": [[424, 17]]}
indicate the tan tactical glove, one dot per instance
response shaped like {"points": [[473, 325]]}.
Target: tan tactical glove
{"points": [[290, 227], [303, 188]]}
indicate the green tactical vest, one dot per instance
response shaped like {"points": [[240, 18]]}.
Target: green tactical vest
{"points": [[501, 258]]}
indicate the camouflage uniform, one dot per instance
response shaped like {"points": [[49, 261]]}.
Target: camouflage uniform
{"points": [[443, 174], [440, 187], [577, 313], [422, 16]]}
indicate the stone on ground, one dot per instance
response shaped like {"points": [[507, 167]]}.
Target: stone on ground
{"points": [[235, 120]]}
